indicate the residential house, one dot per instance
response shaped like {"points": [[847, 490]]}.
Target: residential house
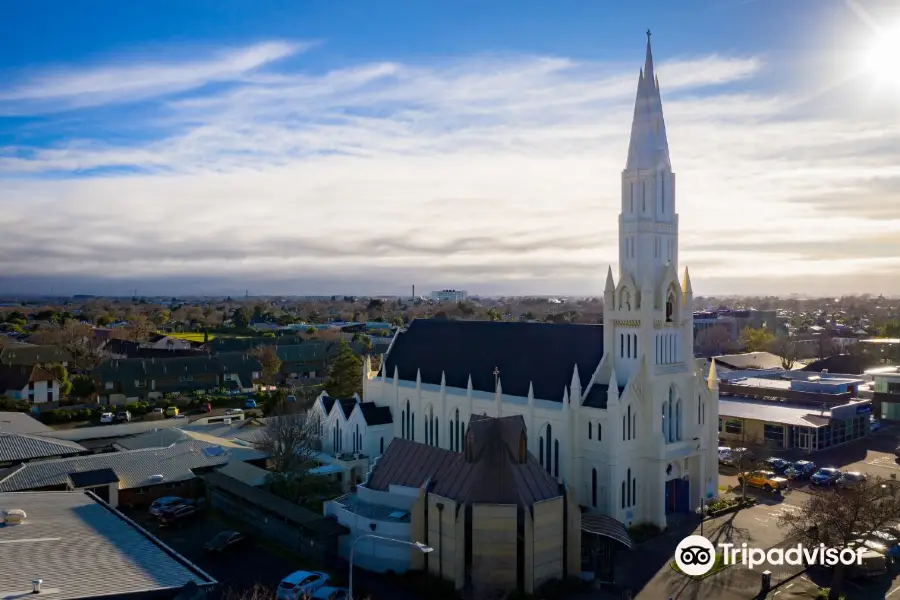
{"points": [[118, 348], [493, 514], [19, 422], [132, 380], [42, 356], [164, 342], [28, 382]]}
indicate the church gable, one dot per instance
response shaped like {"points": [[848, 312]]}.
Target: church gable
{"points": [[544, 354]]}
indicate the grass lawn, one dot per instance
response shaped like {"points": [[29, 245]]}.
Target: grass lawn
{"points": [[718, 565], [191, 336]]}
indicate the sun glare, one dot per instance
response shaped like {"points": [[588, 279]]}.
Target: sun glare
{"points": [[883, 57]]}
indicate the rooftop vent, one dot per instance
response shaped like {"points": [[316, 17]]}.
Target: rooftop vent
{"points": [[156, 478], [16, 516], [36, 586]]}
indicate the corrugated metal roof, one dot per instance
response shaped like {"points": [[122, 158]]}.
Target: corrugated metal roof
{"points": [[80, 548], [19, 422], [133, 467], [20, 447], [772, 412]]}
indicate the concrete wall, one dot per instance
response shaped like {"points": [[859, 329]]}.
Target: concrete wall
{"points": [[442, 536], [372, 554], [573, 536], [494, 546], [417, 531], [547, 549]]}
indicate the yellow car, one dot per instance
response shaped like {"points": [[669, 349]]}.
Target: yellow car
{"points": [[766, 480], [172, 411]]}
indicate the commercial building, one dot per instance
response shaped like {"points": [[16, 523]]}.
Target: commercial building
{"points": [[449, 295], [886, 399], [70, 546]]}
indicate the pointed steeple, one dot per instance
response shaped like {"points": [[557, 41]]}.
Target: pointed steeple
{"points": [[469, 387], [686, 288], [565, 398], [530, 393], [576, 384], [443, 380], [612, 394], [712, 382], [610, 284], [648, 148], [418, 378], [396, 374]]}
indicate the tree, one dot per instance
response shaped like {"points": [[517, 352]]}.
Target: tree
{"points": [[748, 457], [493, 315], [289, 437], [345, 373], [785, 349], [139, 328], [62, 376], [161, 317], [838, 518], [826, 347], [268, 358], [82, 386], [756, 340], [241, 318]]}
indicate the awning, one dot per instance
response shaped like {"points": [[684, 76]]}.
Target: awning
{"points": [[608, 527]]}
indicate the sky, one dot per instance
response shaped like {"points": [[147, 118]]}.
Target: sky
{"points": [[286, 147]]}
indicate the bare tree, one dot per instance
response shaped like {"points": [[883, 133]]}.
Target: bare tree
{"points": [[139, 328], [271, 364], [838, 518], [748, 457], [785, 349], [290, 438], [715, 340]]}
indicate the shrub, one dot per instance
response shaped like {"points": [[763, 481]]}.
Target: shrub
{"points": [[643, 531], [10, 405]]}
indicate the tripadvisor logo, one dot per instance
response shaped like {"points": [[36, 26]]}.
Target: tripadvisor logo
{"points": [[696, 555]]}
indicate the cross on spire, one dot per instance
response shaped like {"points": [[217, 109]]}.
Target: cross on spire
{"points": [[648, 36]]}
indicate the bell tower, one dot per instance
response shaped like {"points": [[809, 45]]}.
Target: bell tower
{"points": [[646, 310]]}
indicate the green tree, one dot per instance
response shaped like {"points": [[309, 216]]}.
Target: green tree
{"points": [[756, 340], [62, 376], [345, 373], [268, 358], [891, 329], [82, 386], [241, 317]]}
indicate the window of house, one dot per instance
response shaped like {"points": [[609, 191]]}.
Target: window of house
{"points": [[735, 426]]}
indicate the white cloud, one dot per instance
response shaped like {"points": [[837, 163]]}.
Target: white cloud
{"points": [[484, 172]]}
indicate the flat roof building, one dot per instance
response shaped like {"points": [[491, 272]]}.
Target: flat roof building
{"points": [[78, 547]]}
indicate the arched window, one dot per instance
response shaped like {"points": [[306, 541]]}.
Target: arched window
{"points": [[590, 430], [623, 428], [556, 458], [699, 416], [633, 492], [665, 426], [381, 447], [541, 451], [670, 306], [437, 432], [634, 426], [408, 421], [628, 491], [594, 488], [622, 345], [599, 433], [703, 417], [412, 422], [670, 406], [403, 425], [623, 494], [462, 433], [629, 345], [629, 421], [678, 420], [549, 449]]}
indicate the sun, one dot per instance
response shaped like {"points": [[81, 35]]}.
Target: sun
{"points": [[883, 57]]}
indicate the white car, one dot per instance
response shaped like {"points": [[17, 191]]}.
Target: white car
{"points": [[300, 582], [234, 411], [107, 417], [158, 411], [724, 453]]}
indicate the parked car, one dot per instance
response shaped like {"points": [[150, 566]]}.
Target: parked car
{"points": [[736, 455], [166, 502], [300, 582], [172, 411], [123, 416], [766, 480], [178, 515], [850, 479], [330, 593], [225, 540], [158, 411], [825, 476], [234, 411], [779, 465], [249, 403], [206, 407], [801, 469], [107, 417], [874, 424], [292, 398], [724, 453]]}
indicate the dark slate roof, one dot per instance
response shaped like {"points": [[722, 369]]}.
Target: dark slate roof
{"points": [[32, 355], [19, 447], [135, 350], [409, 464], [544, 354], [376, 415], [230, 344], [499, 469], [19, 422], [83, 479], [16, 377]]}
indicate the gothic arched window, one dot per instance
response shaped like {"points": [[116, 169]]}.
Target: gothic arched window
{"points": [[594, 488], [670, 307], [678, 420], [556, 458], [629, 421], [541, 451], [629, 487]]}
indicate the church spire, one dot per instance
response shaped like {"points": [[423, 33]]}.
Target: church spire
{"points": [[649, 147]]}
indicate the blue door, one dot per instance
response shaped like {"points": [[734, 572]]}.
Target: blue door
{"points": [[678, 496]]}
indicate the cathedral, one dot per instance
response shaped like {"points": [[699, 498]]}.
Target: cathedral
{"points": [[618, 412]]}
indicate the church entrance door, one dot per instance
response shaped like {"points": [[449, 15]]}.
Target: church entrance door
{"points": [[678, 496]]}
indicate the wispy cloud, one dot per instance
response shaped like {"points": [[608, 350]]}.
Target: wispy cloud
{"points": [[486, 172], [66, 88]]}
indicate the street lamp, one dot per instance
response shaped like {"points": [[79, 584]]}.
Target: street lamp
{"points": [[417, 545]]}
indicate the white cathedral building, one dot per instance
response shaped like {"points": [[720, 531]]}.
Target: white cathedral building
{"points": [[618, 412]]}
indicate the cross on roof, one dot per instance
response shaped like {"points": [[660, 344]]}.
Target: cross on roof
{"points": [[648, 35]]}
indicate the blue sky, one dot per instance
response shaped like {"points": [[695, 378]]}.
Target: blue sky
{"points": [[360, 147]]}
